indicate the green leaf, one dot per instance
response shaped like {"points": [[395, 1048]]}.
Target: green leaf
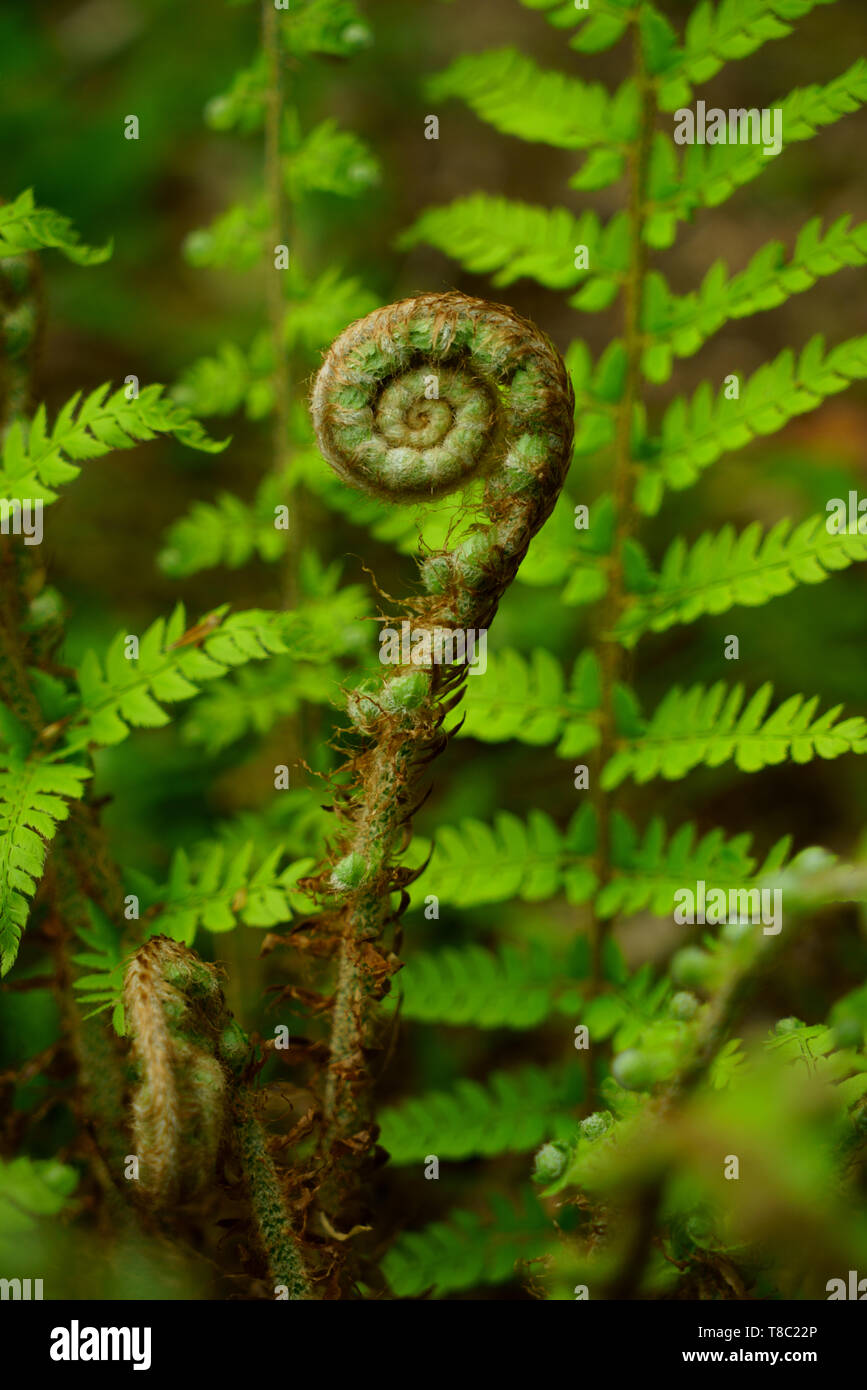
{"points": [[31, 1188], [648, 869], [228, 532], [682, 324], [236, 240], [34, 797], [118, 692], [222, 890], [603, 23], [512, 1113], [468, 1249], [697, 432], [333, 27], [732, 29], [528, 700], [510, 92], [25, 227], [476, 863], [36, 460], [242, 106], [709, 727], [725, 569], [493, 236], [329, 160], [710, 174], [512, 988]]}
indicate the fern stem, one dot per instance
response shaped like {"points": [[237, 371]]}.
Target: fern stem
{"points": [[278, 232], [268, 1203], [611, 652], [502, 409]]}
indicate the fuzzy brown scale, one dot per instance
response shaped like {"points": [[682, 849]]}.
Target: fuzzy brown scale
{"points": [[503, 413]]}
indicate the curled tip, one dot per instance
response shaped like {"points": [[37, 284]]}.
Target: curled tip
{"points": [[421, 397]]}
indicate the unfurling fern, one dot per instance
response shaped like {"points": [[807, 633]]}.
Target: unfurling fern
{"points": [[191, 1103], [501, 410]]}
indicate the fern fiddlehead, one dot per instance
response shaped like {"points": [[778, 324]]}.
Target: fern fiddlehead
{"points": [[412, 402], [191, 1103]]}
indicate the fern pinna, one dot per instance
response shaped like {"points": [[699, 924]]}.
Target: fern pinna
{"points": [[663, 1057]]}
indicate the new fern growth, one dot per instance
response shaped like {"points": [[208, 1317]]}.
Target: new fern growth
{"points": [[414, 401]]}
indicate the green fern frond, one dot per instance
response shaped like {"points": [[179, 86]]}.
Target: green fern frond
{"points": [[235, 240], [476, 863], [511, 1113], [328, 160], [222, 891], [317, 310], [509, 988], [648, 869], [230, 379], [256, 699], [725, 569], [709, 727], [333, 27], [25, 227], [816, 1050], [468, 1249], [529, 700], [734, 29], [34, 797], [697, 432], [515, 96], [235, 378], [242, 106], [504, 239], [172, 666], [36, 459], [680, 325], [103, 962], [226, 532], [709, 174], [604, 24]]}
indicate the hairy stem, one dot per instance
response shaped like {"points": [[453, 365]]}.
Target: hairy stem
{"points": [[415, 401]]}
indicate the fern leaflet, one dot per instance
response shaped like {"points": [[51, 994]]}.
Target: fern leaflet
{"points": [[25, 227], [709, 727], [36, 459], [513, 1112], [697, 432], [34, 798], [725, 569]]}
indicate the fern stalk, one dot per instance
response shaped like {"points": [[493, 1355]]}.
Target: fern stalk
{"points": [[277, 234], [503, 410], [611, 652]]}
